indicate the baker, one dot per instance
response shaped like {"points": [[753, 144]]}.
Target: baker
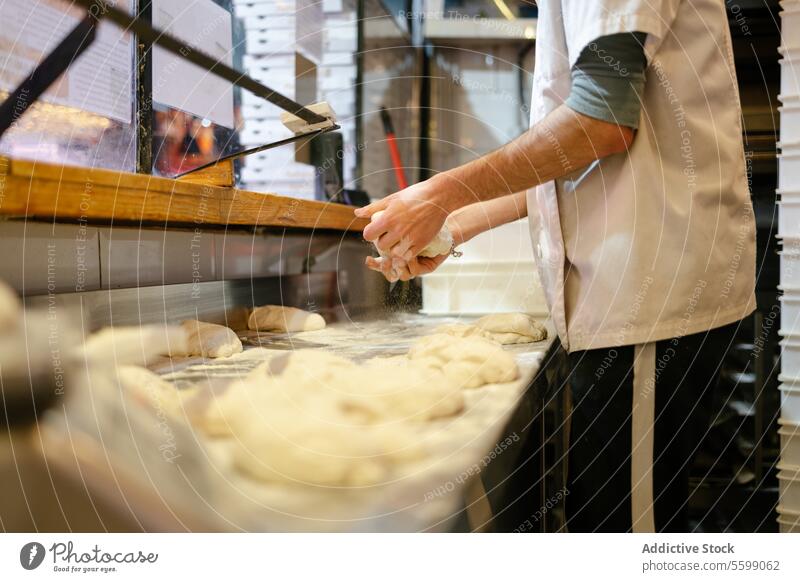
{"points": [[633, 176]]}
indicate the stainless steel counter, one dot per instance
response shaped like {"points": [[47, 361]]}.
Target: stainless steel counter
{"points": [[153, 473], [426, 495]]}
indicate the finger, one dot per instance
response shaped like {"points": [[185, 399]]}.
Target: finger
{"points": [[422, 266], [403, 249], [404, 274], [374, 263], [370, 209], [391, 269], [390, 273], [416, 268], [427, 265], [385, 242], [378, 226], [383, 267], [373, 231]]}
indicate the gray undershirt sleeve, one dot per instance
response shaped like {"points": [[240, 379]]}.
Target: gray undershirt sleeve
{"points": [[608, 79]]}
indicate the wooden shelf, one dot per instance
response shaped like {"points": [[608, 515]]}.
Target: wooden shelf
{"points": [[54, 192]]}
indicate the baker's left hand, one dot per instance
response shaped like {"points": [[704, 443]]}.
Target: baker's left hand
{"points": [[411, 219]]}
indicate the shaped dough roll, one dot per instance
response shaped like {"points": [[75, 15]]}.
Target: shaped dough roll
{"points": [[286, 319], [208, 340], [460, 330], [503, 328], [512, 328]]}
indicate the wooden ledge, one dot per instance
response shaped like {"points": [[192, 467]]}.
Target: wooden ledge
{"points": [[55, 192]]}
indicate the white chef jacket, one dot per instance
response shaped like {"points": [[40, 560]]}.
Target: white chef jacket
{"points": [[657, 242]]}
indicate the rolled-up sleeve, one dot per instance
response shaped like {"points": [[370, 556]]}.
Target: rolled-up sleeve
{"points": [[587, 20], [608, 79]]}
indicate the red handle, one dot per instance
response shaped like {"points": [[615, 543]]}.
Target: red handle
{"points": [[399, 175]]}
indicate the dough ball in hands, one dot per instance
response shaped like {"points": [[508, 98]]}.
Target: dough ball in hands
{"points": [[512, 328], [440, 245], [208, 340], [284, 319], [470, 362]]}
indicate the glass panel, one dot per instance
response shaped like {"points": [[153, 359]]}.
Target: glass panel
{"points": [[184, 138], [86, 117]]}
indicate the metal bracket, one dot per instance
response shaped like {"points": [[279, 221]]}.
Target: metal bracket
{"points": [[261, 148]]}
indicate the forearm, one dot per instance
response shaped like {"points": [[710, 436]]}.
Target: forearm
{"points": [[470, 221], [561, 143]]}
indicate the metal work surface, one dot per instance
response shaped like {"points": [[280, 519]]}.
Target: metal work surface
{"points": [[104, 447], [425, 495]]}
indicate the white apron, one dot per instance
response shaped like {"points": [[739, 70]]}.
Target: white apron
{"points": [[658, 242]]}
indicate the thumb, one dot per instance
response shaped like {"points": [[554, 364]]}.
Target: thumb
{"points": [[371, 209]]}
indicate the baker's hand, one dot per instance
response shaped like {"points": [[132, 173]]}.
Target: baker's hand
{"points": [[390, 267], [395, 269], [411, 219]]}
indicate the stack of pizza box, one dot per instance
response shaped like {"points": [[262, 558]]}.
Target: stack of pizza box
{"points": [[281, 38], [789, 235]]}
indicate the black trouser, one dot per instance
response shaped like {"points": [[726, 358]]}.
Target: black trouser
{"points": [[601, 383]]}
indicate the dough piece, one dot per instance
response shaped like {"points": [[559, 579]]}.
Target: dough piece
{"points": [[148, 387], [461, 330], [208, 340], [440, 245], [280, 318], [315, 387], [319, 365], [10, 308], [312, 417], [294, 434], [131, 345], [512, 328], [379, 391], [469, 362], [277, 446], [220, 412], [411, 392], [299, 379]]}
